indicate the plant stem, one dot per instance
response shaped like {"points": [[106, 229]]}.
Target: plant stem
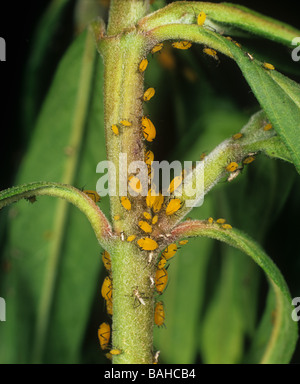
{"points": [[122, 51]]}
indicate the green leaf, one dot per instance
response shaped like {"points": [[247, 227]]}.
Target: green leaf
{"points": [[283, 336], [54, 254]]}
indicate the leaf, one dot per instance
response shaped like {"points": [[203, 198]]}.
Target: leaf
{"points": [[281, 344], [53, 253]]}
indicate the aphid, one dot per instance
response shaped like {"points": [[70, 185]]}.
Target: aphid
{"points": [[175, 183], [202, 157], [154, 201], [170, 251], [156, 357], [126, 203], [268, 66], [210, 220], [237, 136], [173, 206], [31, 199], [131, 238], [109, 307], [143, 65], [115, 351], [231, 167], [106, 290], [181, 44], [147, 244], [248, 159], [220, 221], [237, 44], [161, 279], [201, 18], [162, 262], [126, 123], [159, 314], [93, 195], [147, 215], [108, 356], [233, 175], [149, 130], [104, 335], [106, 260], [149, 93], [149, 157], [211, 52], [158, 47], [268, 127], [117, 217], [183, 242], [250, 57], [138, 296], [146, 227], [115, 129], [226, 226], [154, 220], [135, 184]]}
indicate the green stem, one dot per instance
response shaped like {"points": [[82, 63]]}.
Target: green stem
{"points": [[122, 51]]}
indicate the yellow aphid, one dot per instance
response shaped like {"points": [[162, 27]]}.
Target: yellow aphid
{"points": [[221, 221], [237, 136], [126, 123], [147, 215], [210, 220], [147, 244], [146, 227], [115, 129], [104, 335], [135, 184], [182, 45], [106, 290], [93, 195], [159, 314], [149, 157], [157, 48], [170, 251], [237, 44], [226, 226], [115, 351], [268, 66], [149, 130], [126, 203], [117, 217], [175, 183], [149, 93], [183, 242], [108, 356], [154, 220], [154, 201], [173, 206], [248, 159], [201, 18], [268, 127], [106, 260], [231, 167], [143, 65], [161, 279], [162, 262], [211, 52], [109, 307], [167, 60], [131, 238]]}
